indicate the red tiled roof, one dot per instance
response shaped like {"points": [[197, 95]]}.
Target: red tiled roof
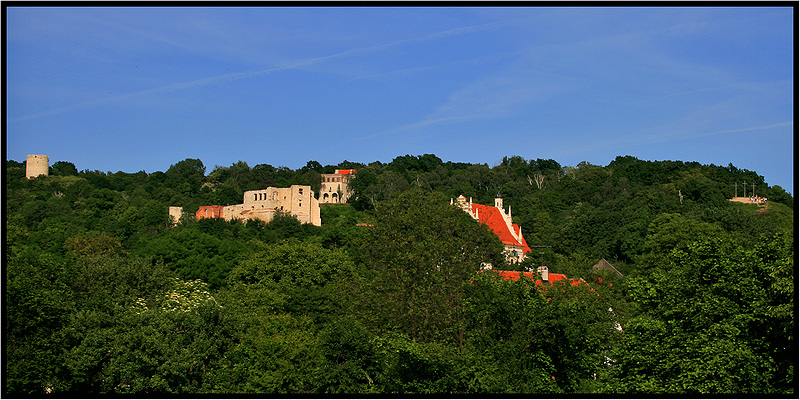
{"points": [[515, 275], [492, 217], [344, 171]]}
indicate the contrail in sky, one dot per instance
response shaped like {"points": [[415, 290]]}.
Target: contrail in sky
{"points": [[244, 75], [638, 139]]}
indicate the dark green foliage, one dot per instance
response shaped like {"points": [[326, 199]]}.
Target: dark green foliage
{"points": [[301, 273], [420, 252], [550, 340], [276, 354], [104, 296], [351, 363], [707, 322], [63, 168], [37, 307]]}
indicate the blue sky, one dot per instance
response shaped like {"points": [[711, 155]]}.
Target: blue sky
{"points": [[131, 89]]}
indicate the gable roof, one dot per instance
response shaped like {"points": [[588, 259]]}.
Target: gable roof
{"points": [[492, 217], [603, 264]]}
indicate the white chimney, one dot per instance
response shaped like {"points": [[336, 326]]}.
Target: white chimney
{"points": [[544, 272]]}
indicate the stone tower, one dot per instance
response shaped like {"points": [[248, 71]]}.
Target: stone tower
{"points": [[36, 165]]}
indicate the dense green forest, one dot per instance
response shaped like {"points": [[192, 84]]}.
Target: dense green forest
{"points": [[104, 296]]}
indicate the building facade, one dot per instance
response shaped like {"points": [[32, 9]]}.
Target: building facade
{"points": [[500, 223], [335, 188], [263, 204]]}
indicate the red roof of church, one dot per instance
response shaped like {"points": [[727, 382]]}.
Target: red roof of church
{"points": [[515, 275], [492, 217]]}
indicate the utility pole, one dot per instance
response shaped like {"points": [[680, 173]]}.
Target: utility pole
{"points": [[744, 186], [754, 189], [541, 254], [736, 189]]}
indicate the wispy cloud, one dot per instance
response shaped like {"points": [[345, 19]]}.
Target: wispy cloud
{"points": [[524, 82], [447, 65], [213, 80], [502, 94], [683, 93], [638, 139], [410, 127], [728, 131]]}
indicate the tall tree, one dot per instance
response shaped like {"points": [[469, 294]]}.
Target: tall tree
{"points": [[421, 251], [711, 322]]}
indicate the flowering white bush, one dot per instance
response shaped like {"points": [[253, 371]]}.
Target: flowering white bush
{"points": [[140, 305], [184, 296]]}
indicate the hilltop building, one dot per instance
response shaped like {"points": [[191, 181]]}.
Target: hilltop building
{"points": [[263, 204], [500, 223], [36, 164], [335, 189]]}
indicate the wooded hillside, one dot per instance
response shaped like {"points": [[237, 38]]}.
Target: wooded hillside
{"points": [[104, 296]]}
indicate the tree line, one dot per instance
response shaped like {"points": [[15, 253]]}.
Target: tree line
{"points": [[105, 296]]}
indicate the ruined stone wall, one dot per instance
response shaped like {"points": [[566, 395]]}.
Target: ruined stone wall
{"points": [[263, 204], [36, 164], [175, 214], [208, 212]]}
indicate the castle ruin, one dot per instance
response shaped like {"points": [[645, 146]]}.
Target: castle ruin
{"points": [[175, 214], [263, 204], [36, 164]]}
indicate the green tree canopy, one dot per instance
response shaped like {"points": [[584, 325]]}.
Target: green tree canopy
{"points": [[420, 252]]}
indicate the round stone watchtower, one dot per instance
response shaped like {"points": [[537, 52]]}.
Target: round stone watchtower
{"points": [[36, 165]]}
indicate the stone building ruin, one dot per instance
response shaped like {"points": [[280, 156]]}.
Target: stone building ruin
{"points": [[36, 164], [175, 214], [263, 204]]}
